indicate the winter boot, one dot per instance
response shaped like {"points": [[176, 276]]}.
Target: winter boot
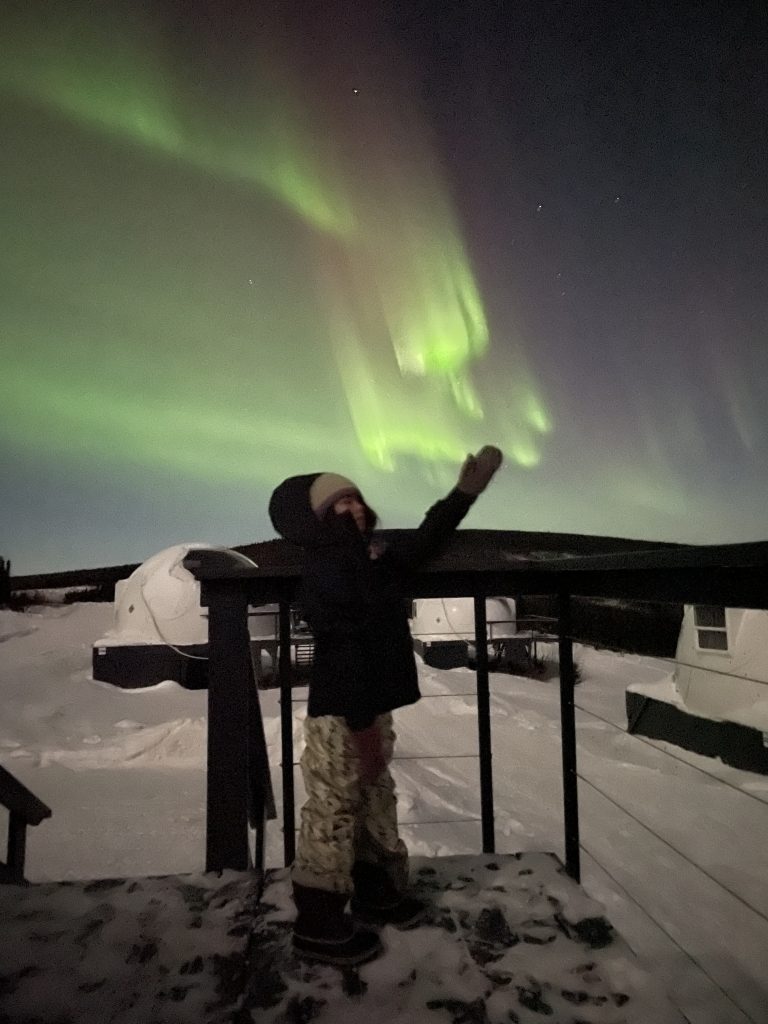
{"points": [[378, 902], [323, 932]]}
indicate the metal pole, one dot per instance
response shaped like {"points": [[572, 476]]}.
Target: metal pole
{"points": [[286, 732], [568, 738], [484, 726], [229, 679], [260, 842]]}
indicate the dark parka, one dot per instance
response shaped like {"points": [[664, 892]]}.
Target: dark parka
{"points": [[355, 605]]}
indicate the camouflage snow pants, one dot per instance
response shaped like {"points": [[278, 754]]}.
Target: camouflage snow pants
{"points": [[344, 819]]}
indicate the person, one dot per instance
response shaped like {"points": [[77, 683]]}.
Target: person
{"points": [[353, 597]]}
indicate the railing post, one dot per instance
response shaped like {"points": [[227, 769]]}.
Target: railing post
{"points": [[17, 845], [286, 732], [229, 679], [568, 737], [5, 582], [261, 805], [484, 726]]}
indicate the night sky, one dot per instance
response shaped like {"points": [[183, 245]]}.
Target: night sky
{"points": [[246, 240]]}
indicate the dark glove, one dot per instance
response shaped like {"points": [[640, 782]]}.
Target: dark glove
{"points": [[367, 746], [478, 470]]}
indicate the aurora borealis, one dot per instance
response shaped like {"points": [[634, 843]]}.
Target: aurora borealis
{"points": [[240, 243]]}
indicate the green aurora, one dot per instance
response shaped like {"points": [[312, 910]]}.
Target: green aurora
{"points": [[366, 268]]}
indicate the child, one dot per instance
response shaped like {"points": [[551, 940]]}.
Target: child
{"points": [[353, 598]]}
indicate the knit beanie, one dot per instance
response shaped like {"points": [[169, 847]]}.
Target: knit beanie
{"points": [[326, 490]]}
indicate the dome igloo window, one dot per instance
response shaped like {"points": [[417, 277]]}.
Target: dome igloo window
{"points": [[711, 630]]}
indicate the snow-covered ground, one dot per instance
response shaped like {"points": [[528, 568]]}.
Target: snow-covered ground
{"points": [[675, 846]]}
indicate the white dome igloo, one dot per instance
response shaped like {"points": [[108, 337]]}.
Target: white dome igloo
{"points": [[159, 603]]}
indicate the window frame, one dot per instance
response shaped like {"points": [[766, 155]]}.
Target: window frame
{"points": [[711, 630]]}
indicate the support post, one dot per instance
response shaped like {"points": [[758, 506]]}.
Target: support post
{"points": [[484, 726], [286, 732], [568, 738], [17, 846], [5, 583], [229, 679]]}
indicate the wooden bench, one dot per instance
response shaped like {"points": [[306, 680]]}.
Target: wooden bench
{"points": [[24, 809]]}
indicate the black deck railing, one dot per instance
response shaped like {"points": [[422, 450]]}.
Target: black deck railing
{"points": [[238, 781], [24, 809]]}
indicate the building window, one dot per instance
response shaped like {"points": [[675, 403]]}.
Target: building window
{"points": [[711, 631]]}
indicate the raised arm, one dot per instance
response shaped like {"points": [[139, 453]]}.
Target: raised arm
{"points": [[445, 515]]}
